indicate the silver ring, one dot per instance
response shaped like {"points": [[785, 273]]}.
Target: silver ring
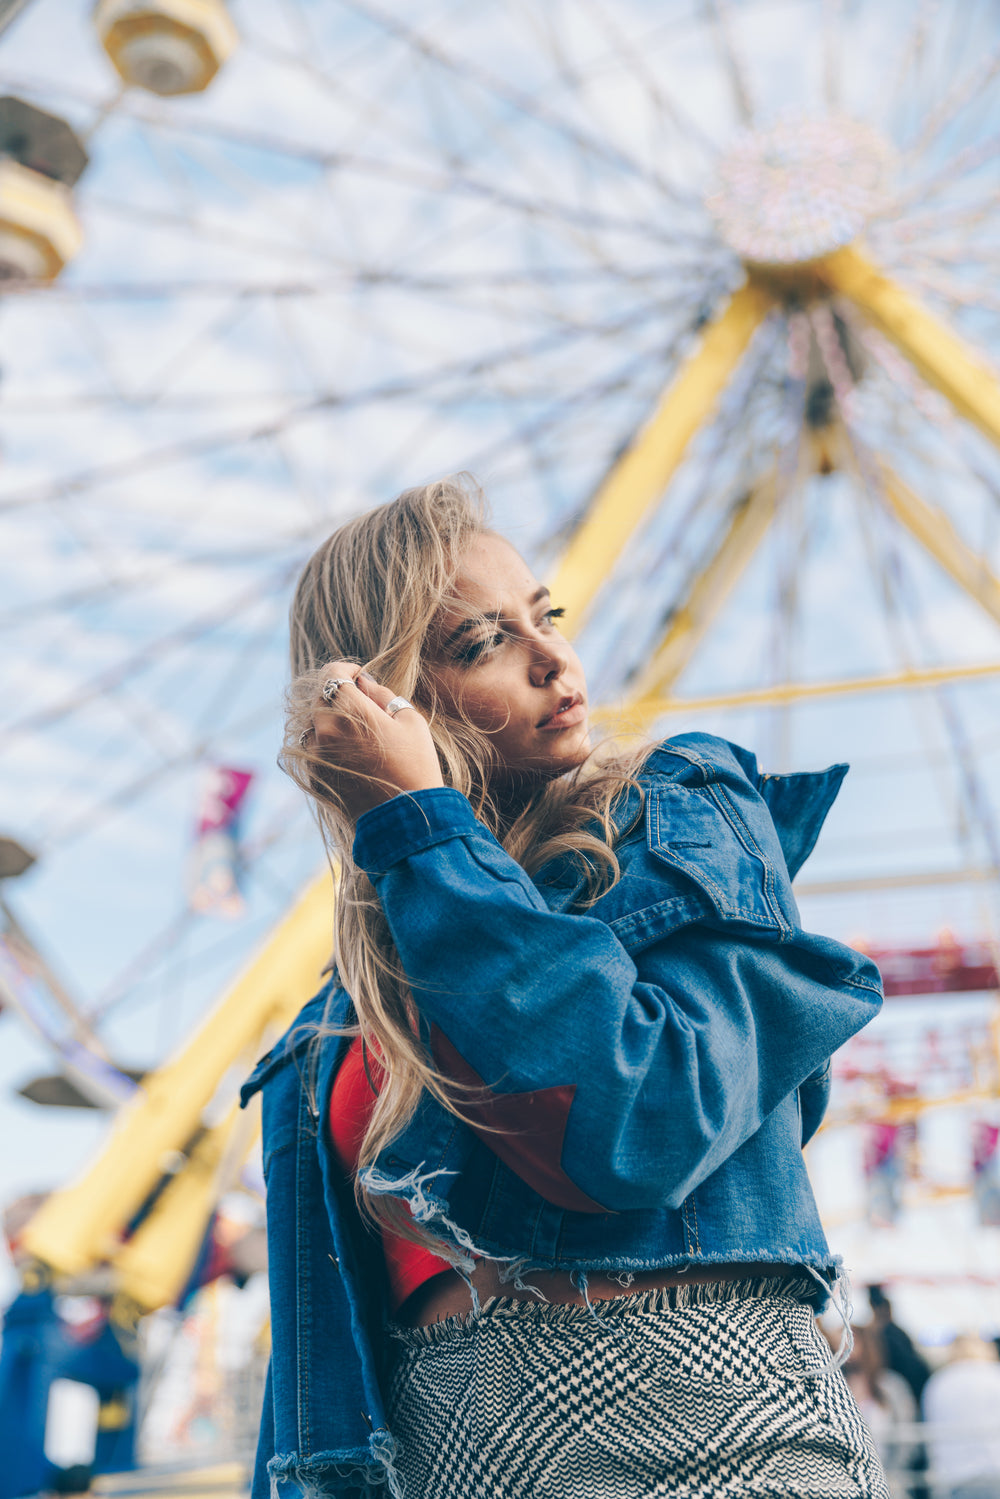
{"points": [[396, 705], [303, 738], [332, 686]]}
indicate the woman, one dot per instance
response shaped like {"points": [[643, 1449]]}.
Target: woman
{"points": [[567, 1060]]}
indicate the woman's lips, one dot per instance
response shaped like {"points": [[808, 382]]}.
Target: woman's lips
{"points": [[574, 713]]}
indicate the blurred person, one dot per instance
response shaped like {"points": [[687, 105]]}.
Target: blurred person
{"points": [[900, 1353], [886, 1402], [965, 1394], [564, 1067]]}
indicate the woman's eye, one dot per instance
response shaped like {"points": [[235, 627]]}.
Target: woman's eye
{"points": [[553, 614], [474, 650]]}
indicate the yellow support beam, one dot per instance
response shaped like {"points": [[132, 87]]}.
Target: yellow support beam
{"points": [[81, 1225], [943, 359], [226, 1480], [748, 525], [641, 474], [640, 713], [935, 532], [154, 1265], [902, 1110], [922, 879]]}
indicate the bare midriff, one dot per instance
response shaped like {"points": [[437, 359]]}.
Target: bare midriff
{"points": [[447, 1295]]}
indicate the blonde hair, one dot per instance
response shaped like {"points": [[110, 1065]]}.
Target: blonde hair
{"points": [[372, 594]]}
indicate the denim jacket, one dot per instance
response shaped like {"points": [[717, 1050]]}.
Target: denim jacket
{"points": [[644, 1074]]}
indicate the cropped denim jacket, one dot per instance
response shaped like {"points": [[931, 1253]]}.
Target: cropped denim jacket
{"points": [[642, 1075]]}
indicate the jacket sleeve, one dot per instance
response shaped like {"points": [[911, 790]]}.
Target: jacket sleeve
{"points": [[615, 1080]]}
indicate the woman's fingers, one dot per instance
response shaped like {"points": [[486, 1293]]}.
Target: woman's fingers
{"points": [[364, 682], [378, 694], [367, 753]]}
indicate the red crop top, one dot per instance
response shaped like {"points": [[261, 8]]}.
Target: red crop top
{"points": [[351, 1102]]}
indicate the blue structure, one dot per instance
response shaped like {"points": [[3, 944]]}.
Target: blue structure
{"points": [[39, 1347]]}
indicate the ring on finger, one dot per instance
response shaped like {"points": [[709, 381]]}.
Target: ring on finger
{"points": [[304, 737], [332, 686], [396, 705]]}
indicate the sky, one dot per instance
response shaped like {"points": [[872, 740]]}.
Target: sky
{"points": [[388, 243]]}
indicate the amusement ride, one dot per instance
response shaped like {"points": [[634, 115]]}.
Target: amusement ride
{"points": [[703, 293]]}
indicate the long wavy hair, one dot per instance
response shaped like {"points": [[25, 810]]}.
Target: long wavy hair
{"points": [[372, 594]]}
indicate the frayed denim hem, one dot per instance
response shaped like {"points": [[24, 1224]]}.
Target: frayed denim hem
{"points": [[325, 1474]]}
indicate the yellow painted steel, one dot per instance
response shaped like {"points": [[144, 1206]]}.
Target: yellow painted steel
{"points": [[942, 358], [154, 1265], [902, 1110], [212, 1481], [641, 474], [932, 528], [747, 528], [918, 881], [80, 1225], [644, 711]]}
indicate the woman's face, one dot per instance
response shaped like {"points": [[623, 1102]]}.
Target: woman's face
{"points": [[501, 661]]}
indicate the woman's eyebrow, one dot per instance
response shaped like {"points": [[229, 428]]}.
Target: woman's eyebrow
{"points": [[492, 616]]}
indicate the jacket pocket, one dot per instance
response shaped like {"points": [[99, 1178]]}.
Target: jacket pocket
{"points": [[727, 848]]}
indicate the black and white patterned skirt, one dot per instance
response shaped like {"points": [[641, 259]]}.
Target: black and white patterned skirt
{"points": [[690, 1392]]}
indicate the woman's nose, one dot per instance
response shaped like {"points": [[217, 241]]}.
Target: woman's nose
{"points": [[548, 661]]}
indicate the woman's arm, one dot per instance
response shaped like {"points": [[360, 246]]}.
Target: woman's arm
{"points": [[662, 1063]]}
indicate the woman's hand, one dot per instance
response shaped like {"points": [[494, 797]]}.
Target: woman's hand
{"points": [[368, 755]]}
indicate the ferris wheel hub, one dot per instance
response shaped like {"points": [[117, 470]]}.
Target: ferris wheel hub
{"points": [[800, 188]]}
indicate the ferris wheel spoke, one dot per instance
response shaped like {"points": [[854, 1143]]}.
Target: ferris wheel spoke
{"points": [[955, 173], [925, 228], [349, 280], [574, 80], [314, 504], [421, 383], [236, 674], [568, 407], [720, 17], [148, 726], [670, 113], [219, 234], [910, 57], [407, 171], [495, 84], [934, 279], [93, 337], [974, 813], [201, 340], [121, 582], [186, 199], [830, 32], [967, 91], [552, 417], [89, 820], [143, 966], [191, 632]]}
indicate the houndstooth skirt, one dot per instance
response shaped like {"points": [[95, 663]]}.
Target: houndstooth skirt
{"points": [[690, 1392]]}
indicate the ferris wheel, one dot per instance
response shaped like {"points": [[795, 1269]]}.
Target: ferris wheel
{"points": [[703, 292]]}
